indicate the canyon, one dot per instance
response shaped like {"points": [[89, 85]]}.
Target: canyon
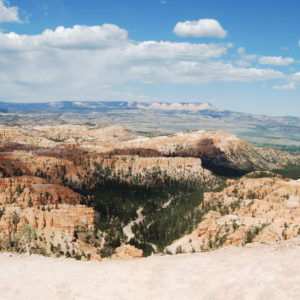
{"points": [[70, 190]]}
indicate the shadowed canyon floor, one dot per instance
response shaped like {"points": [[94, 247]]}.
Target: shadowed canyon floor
{"points": [[253, 272]]}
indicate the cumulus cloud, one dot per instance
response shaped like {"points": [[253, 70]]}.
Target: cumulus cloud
{"points": [[81, 62], [295, 78], [275, 60], [290, 86], [84, 37], [245, 60], [78, 37], [8, 14], [200, 28], [218, 71], [152, 50]]}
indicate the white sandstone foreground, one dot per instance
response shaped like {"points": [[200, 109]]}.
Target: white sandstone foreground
{"points": [[253, 272]]}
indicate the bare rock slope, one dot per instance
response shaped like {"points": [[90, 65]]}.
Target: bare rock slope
{"points": [[250, 209]]}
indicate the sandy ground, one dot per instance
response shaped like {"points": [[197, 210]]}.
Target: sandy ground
{"points": [[254, 272]]}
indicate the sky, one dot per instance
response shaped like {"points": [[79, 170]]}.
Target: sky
{"points": [[238, 55]]}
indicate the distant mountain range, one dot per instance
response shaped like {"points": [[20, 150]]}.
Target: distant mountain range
{"points": [[158, 118], [6, 107]]}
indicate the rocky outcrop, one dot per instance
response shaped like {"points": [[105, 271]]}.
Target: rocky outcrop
{"points": [[61, 218], [54, 227], [54, 135], [221, 152], [127, 252], [52, 211], [25, 191], [148, 169], [79, 169], [248, 210]]}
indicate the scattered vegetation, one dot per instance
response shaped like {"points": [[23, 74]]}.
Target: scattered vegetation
{"points": [[168, 206], [253, 232], [261, 174]]}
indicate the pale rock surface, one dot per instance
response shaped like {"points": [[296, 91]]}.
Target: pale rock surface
{"points": [[253, 272]]}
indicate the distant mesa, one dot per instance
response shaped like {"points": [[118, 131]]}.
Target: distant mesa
{"points": [[102, 106], [178, 106]]}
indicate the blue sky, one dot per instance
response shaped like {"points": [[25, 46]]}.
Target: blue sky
{"points": [[239, 55]]}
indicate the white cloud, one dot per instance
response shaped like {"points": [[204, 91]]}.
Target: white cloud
{"points": [[294, 80], [275, 60], [245, 60], [241, 50], [84, 37], [104, 37], [290, 86], [9, 14], [295, 77], [230, 45], [200, 28], [243, 63], [152, 50], [78, 37], [198, 72], [89, 62]]}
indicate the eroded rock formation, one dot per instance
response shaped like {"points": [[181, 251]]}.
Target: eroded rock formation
{"points": [[250, 209], [48, 175]]}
